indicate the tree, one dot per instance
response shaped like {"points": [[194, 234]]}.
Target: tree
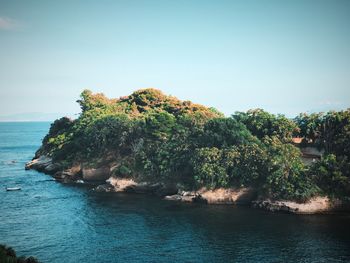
{"points": [[286, 174], [225, 132], [209, 170], [261, 123], [160, 125], [155, 137], [329, 131], [332, 174]]}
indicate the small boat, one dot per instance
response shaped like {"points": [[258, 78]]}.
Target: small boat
{"points": [[13, 188]]}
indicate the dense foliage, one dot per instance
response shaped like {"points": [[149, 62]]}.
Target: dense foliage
{"points": [[330, 132], [154, 137], [262, 123], [8, 255]]}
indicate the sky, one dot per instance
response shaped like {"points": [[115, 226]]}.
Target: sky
{"points": [[283, 56]]}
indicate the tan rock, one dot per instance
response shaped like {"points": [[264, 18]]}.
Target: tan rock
{"points": [[120, 184], [315, 205], [39, 163], [96, 174], [216, 196], [228, 196]]}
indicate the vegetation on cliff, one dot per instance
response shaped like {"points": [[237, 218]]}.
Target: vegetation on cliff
{"points": [[8, 255], [154, 137], [330, 132]]}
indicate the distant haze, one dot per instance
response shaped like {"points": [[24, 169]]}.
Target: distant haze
{"points": [[35, 116], [282, 56]]}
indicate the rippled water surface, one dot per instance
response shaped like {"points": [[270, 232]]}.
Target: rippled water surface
{"points": [[65, 223]]}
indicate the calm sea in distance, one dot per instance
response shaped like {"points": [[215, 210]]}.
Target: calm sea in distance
{"points": [[71, 223]]}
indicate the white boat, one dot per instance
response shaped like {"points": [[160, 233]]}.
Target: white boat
{"points": [[13, 188]]}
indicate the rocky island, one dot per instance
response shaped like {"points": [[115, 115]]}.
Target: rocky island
{"points": [[149, 142]]}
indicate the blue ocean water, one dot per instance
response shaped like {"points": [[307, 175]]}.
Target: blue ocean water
{"points": [[71, 223]]}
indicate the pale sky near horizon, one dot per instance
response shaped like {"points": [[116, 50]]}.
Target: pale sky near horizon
{"points": [[283, 56]]}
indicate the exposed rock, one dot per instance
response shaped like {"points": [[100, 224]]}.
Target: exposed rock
{"points": [[198, 198], [96, 174], [143, 188], [120, 184], [228, 196], [59, 175], [217, 196], [152, 188], [130, 186], [187, 193], [176, 197], [52, 168], [40, 162], [166, 189], [104, 188], [43, 164], [238, 196], [188, 198], [273, 206], [315, 205], [68, 180], [75, 169], [69, 175], [311, 154], [64, 176]]}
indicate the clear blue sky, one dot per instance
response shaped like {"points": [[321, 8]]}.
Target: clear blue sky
{"points": [[283, 56]]}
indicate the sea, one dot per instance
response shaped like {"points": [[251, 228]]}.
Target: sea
{"points": [[57, 222]]}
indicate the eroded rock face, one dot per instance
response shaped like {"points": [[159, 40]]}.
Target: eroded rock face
{"points": [[43, 164], [120, 184], [69, 175], [165, 190], [96, 174], [104, 188], [238, 196], [46, 165], [190, 197], [228, 196], [176, 197], [143, 188], [130, 186], [316, 205]]}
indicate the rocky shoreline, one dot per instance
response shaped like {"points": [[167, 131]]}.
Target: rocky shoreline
{"points": [[231, 196], [316, 205]]}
